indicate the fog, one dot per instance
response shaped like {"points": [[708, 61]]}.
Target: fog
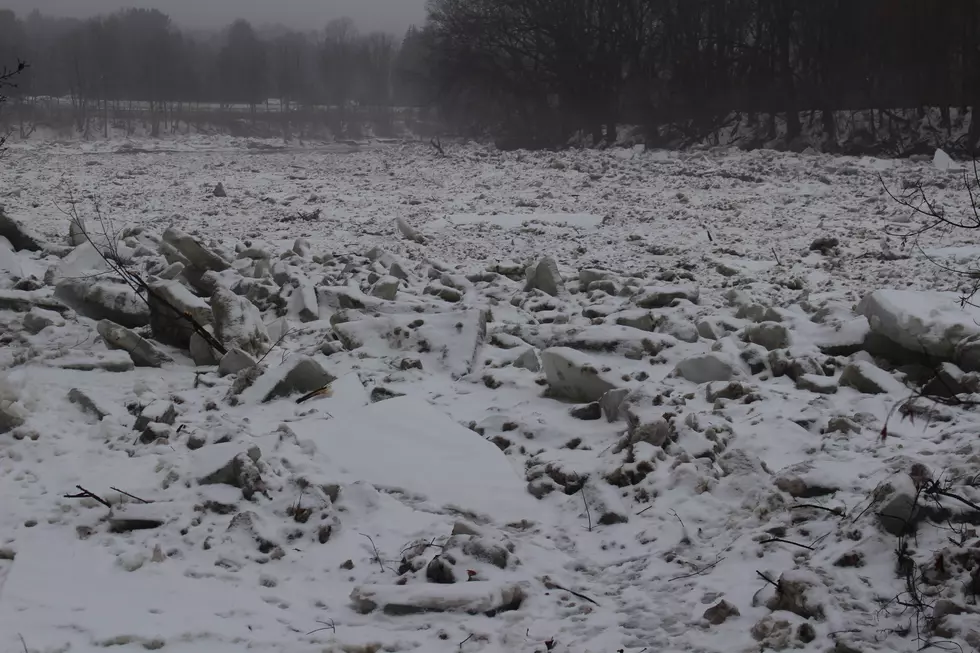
{"points": [[388, 15]]}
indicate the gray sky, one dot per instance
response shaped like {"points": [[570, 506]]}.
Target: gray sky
{"points": [[389, 15]]}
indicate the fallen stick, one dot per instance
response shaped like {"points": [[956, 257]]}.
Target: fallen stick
{"points": [[86, 494], [324, 391], [552, 585], [131, 496]]}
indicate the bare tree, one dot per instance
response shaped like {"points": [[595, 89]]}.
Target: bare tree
{"points": [[934, 219], [7, 81], [337, 60], [243, 65]]}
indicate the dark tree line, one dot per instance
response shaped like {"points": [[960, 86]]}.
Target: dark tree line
{"points": [[540, 70], [137, 57], [537, 73]]}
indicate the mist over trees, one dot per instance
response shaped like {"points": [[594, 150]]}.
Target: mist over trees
{"points": [[135, 64], [536, 73]]}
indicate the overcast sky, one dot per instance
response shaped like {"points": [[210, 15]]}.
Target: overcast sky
{"points": [[388, 15]]}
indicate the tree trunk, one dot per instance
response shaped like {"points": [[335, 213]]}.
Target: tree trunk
{"points": [[611, 132], [829, 125], [105, 114]]}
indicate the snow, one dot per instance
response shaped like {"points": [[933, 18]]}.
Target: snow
{"points": [[452, 340], [437, 440], [82, 261], [405, 446], [106, 604], [518, 220], [944, 162], [934, 323], [9, 263]]}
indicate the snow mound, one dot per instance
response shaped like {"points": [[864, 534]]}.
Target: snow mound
{"points": [[406, 446], [116, 600], [933, 323], [944, 162]]}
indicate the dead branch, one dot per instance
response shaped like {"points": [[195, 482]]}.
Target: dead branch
{"points": [[131, 496], [769, 580], [916, 200], [877, 495], [319, 392], [934, 489], [588, 513], [685, 537], [86, 494], [278, 342], [550, 584], [430, 544], [326, 626], [911, 598], [7, 74], [130, 277], [946, 396], [377, 554], [838, 512], [782, 541]]}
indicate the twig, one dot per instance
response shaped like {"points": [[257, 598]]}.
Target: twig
{"points": [[131, 278], [775, 255], [377, 554], [935, 489], [22, 642], [326, 626], [430, 544], [464, 641], [643, 511], [588, 513], [769, 580], [834, 511], [934, 217], [779, 539], [131, 496], [314, 394], [85, 494], [550, 584], [278, 342], [697, 572], [907, 406], [685, 538], [6, 74], [875, 500]]}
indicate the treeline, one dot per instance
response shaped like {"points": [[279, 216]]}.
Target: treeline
{"points": [[540, 70], [107, 63], [536, 73]]}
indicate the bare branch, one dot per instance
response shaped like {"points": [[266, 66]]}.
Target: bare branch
{"points": [[86, 494]]}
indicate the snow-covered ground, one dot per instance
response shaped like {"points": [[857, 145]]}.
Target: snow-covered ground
{"points": [[583, 402]]}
